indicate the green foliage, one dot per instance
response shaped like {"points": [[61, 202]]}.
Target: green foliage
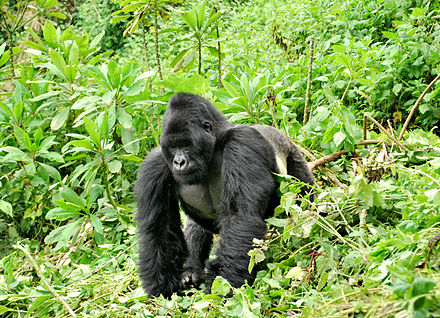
{"points": [[203, 30], [75, 125], [94, 18]]}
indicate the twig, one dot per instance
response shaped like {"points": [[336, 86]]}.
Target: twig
{"points": [[309, 83], [43, 279], [322, 161], [416, 105], [374, 121]]}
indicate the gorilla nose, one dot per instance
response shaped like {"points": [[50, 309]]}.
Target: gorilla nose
{"points": [[180, 163]]}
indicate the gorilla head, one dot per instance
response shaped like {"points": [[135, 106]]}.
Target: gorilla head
{"points": [[189, 134]]}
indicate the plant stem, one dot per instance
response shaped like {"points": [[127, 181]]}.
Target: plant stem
{"points": [[200, 55], [43, 279], [156, 41], [309, 83], [147, 62], [106, 184], [416, 105], [219, 55]]}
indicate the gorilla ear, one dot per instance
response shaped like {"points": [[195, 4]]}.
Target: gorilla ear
{"points": [[207, 126]]}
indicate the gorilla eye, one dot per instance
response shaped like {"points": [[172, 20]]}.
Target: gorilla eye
{"points": [[207, 126]]}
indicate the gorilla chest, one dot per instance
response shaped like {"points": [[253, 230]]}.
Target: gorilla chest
{"points": [[202, 200]]}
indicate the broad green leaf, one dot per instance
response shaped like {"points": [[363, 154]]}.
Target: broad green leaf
{"points": [[49, 3], [4, 56], [389, 35], [71, 72], [220, 286], [22, 138], [92, 129], [201, 16], [178, 58], [63, 233], [38, 135], [129, 139], [96, 223], [47, 143], [113, 74], [58, 61], [339, 138], [49, 32], [115, 166], [2, 48], [58, 121], [51, 171], [277, 222], [6, 207], [58, 15], [190, 19], [14, 154], [70, 196], [52, 156], [397, 88], [61, 214], [338, 48], [344, 60], [4, 309], [39, 301], [329, 134], [296, 273], [212, 18], [73, 55], [7, 110], [418, 12], [83, 144], [124, 118]]}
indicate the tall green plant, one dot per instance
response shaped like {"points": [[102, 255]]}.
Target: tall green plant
{"points": [[203, 34], [14, 18], [139, 11]]}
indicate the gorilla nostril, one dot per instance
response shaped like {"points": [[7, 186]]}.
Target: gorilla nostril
{"points": [[179, 163]]}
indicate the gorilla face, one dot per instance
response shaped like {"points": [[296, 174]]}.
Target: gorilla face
{"points": [[188, 147]]}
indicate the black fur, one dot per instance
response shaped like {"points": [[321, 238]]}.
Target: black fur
{"points": [[222, 176]]}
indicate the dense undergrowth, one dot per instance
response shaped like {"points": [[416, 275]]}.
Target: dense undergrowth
{"points": [[76, 121]]}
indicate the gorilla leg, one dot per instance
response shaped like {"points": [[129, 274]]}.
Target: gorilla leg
{"points": [[199, 243], [162, 246], [236, 239]]}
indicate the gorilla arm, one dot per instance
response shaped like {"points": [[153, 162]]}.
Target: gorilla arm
{"points": [[162, 246]]}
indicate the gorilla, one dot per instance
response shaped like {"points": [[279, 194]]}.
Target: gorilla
{"points": [[221, 175]]}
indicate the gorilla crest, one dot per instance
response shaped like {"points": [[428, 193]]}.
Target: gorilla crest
{"points": [[221, 174]]}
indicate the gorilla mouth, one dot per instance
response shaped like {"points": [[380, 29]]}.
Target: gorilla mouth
{"points": [[192, 176]]}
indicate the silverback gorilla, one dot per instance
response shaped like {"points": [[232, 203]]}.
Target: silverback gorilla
{"points": [[222, 176]]}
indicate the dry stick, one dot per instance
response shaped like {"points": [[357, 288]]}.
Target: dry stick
{"points": [[43, 279], [416, 105], [321, 161], [329, 174], [374, 121], [309, 83]]}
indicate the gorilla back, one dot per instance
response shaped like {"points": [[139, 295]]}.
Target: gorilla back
{"points": [[222, 176]]}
